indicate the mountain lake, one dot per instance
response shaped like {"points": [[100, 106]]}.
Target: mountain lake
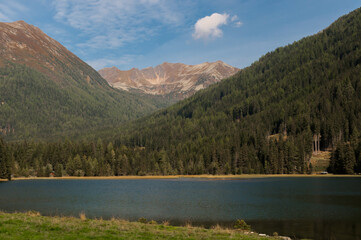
{"points": [[298, 207]]}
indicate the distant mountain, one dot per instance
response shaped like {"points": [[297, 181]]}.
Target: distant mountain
{"points": [[174, 79], [47, 91], [269, 117]]}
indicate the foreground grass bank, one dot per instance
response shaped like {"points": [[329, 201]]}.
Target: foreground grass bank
{"points": [[32, 225]]}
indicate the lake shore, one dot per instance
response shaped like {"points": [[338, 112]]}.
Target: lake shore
{"points": [[218, 177], [32, 225]]}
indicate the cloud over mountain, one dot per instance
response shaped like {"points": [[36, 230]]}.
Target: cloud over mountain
{"points": [[209, 26]]}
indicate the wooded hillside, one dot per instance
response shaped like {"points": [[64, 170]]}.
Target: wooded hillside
{"points": [[262, 120]]}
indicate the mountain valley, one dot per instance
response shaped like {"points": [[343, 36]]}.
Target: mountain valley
{"points": [[48, 92]]}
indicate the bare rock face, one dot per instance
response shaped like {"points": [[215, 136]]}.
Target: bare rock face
{"points": [[23, 43], [177, 79]]}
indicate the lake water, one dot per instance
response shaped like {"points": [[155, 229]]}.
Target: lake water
{"points": [[316, 208]]}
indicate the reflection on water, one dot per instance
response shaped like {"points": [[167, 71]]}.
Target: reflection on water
{"points": [[318, 208]]}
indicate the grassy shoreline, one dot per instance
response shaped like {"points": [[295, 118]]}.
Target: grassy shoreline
{"points": [[218, 177], [32, 225]]}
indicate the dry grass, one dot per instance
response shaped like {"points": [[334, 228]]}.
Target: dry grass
{"points": [[152, 222], [217, 227], [188, 225], [82, 216], [320, 161], [33, 213], [277, 137]]}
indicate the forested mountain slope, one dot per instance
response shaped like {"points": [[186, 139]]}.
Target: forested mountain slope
{"points": [[310, 87], [48, 92], [262, 120]]}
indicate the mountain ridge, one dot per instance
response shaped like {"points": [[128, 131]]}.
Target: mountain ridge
{"points": [[47, 91], [176, 79], [264, 119], [27, 44]]}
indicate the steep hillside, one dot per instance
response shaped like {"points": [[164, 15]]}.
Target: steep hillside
{"points": [[261, 120], [175, 80], [307, 88], [47, 92]]}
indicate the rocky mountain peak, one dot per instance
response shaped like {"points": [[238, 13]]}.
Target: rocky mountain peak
{"points": [[26, 44], [176, 79]]}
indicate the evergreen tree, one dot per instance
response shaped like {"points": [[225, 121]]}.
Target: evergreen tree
{"points": [[5, 165], [58, 171], [350, 160]]}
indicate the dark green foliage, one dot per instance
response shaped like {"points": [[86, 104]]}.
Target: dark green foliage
{"points": [[262, 120], [33, 106], [142, 220], [343, 159], [74, 166], [58, 172], [5, 161], [242, 225]]}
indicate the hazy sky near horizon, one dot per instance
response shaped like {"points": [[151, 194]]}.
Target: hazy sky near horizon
{"points": [[142, 33]]}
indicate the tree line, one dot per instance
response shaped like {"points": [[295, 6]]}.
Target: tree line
{"points": [[261, 120], [275, 156], [25, 159]]}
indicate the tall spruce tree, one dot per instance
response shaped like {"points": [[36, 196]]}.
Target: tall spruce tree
{"points": [[5, 165]]}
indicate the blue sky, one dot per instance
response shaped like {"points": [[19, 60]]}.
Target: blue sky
{"points": [[142, 33]]}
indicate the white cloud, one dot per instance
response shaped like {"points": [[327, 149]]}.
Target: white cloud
{"points": [[111, 24], [238, 24], [234, 18], [209, 26]]}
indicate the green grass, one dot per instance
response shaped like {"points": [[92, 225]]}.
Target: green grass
{"points": [[32, 225], [321, 161]]}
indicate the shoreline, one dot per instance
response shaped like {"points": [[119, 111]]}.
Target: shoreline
{"points": [[32, 225], [216, 177]]}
